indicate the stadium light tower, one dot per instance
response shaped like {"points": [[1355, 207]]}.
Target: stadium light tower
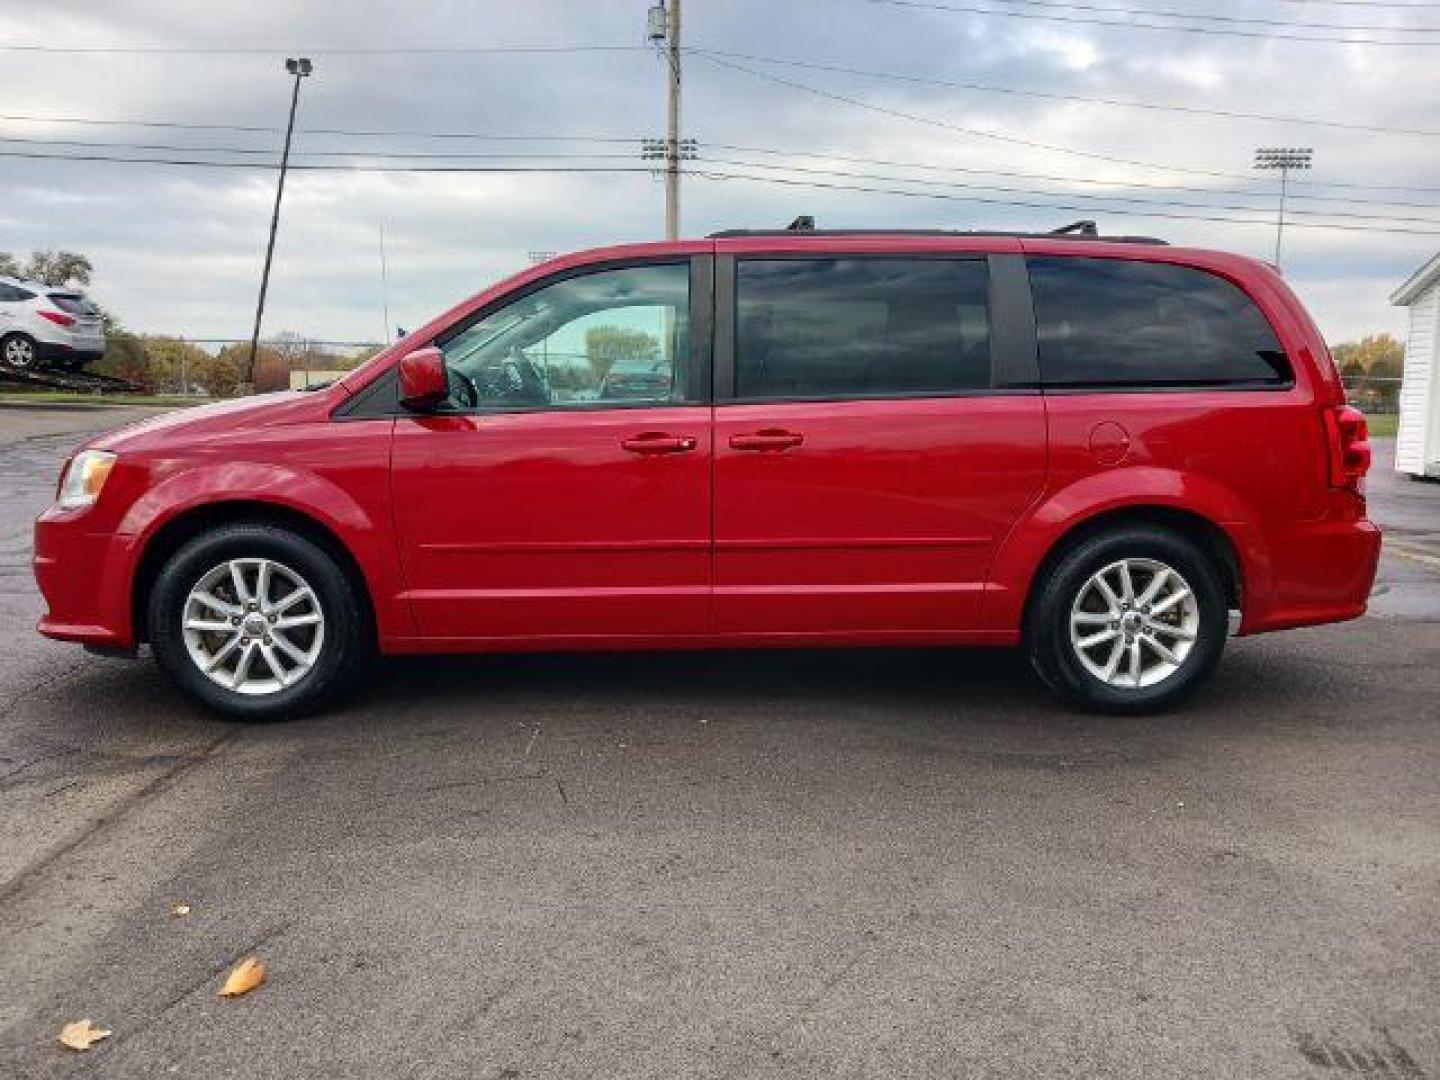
{"points": [[300, 68], [1282, 158]]}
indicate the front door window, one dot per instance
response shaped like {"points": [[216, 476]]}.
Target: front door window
{"points": [[609, 338]]}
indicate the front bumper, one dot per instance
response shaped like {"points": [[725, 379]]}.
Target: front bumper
{"points": [[85, 579]]}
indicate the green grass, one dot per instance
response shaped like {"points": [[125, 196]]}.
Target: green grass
{"points": [[1383, 424], [61, 397]]}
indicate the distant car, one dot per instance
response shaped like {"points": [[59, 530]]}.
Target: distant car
{"points": [[637, 379], [43, 326]]}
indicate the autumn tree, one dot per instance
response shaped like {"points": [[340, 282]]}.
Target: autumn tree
{"points": [[1372, 368]]}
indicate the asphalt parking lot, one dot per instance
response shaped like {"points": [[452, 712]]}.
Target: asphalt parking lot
{"points": [[786, 865]]}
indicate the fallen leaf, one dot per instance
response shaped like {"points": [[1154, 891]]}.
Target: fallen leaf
{"points": [[180, 910], [81, 1035], [244, 977]]}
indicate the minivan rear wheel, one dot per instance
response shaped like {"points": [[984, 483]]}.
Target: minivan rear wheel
{"points": [[257, 622], [1129, 621]]}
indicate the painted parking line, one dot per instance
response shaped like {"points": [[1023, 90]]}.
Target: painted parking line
{"points": [[1413, 554]]}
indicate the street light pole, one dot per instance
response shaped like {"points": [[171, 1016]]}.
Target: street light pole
{"points": [[300, 69], [1283, 158]]}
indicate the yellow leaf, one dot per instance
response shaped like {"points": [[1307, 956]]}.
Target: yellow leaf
{"points": [[244, 977], [180, 910], [81, 1035]]}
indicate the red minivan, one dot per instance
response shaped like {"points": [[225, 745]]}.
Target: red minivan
{"points": [[1110, 452]]}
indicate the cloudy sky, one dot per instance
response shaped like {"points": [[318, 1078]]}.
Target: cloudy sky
{"points": [[954, 114]]}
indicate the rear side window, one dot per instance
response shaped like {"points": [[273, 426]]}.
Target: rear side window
{"points": [[73, 303], [13, 294], [860, 327], [1119, 322]]}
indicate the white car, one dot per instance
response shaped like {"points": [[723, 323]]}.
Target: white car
{"points": [[42, 325]]}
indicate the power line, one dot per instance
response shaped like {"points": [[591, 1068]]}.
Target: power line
{"points": [[263, 130], [1069, 194], [510, 137], [615, 139], [201, 163], [935, 122], [339, 50], [711, 175], [896, 76], [270, 152], [1132, 24], [1198, 16], [1418, 5], [973, 132], [391, 156], [1124, 184], [1085, 207]]}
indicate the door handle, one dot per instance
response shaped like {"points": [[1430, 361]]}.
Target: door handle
{"points": [[658, 442], [767, 439]]}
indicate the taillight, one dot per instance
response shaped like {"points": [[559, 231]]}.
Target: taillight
{"points": [[59, 318], [1349, 439]]}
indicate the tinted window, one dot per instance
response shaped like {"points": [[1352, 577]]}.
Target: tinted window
{"points": [[12, 294], [1120, 322], [73, 303], [611, 337], [860, 327]]}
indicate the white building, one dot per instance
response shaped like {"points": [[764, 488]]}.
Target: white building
{"points": [[1417, 445]]}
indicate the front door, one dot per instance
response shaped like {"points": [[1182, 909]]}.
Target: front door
{"points": [[871, 457], [563, 490]]}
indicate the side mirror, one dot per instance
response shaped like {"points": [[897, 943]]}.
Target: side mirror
{"points": [[423, 382]]}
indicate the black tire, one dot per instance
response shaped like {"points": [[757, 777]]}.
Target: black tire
{"points": [[1048, 637], [347, 642], [19, 342]]}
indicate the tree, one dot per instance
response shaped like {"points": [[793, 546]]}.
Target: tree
{"points": [[1372, 368], [1376, 355], [125, 356], [175, 365], [221, 374], [604, 345], [54, 268]]}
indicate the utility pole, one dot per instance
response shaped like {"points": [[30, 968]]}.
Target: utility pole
{"points": [[1283, 158], [384, 285], [300, 69], [664, 27]]}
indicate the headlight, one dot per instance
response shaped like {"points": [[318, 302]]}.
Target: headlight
{"points": [[84, 477]]}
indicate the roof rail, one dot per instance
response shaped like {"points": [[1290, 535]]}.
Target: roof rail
{"points": [[804, 225]]}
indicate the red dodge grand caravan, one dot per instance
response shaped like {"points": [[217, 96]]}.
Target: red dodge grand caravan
{"points": [[1110, 452]]}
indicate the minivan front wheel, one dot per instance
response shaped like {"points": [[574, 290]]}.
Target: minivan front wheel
{"points": [[1129, 621], [257, 622]]}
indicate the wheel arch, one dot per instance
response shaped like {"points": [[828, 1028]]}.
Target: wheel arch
{"points": [[1209, 536], [184, 526]]}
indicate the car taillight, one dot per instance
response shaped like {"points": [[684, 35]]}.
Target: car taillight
{"points": [[59, 318], [1349, 439]]}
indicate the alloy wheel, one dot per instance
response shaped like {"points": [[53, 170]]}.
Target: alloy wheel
{"points": [[20, 352], [253, 626], [1134, 623]]}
